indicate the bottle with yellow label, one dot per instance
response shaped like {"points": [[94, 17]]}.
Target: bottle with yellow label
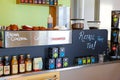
{"points": [[1, 67], [6, 66], [28, 63], [21, 64], [14, 65]]}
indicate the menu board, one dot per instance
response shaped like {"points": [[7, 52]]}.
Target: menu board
{"points": [[90, 41]]}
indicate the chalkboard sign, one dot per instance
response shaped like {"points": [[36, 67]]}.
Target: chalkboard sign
{"points": [[90, 41]]}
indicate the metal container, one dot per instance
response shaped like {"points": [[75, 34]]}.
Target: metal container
{"points": [[77, 9], [93, 24]]}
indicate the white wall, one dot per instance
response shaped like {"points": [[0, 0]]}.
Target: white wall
{"points": [[106, 6], [85, 10], [89, 11]]}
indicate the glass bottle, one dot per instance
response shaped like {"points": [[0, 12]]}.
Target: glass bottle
{"points": [[26, 1], [30, 1], [35, 1], [14, 65], [55, 2], [6, 66], [47, 1], [28, 63], [22, 1], [1, 67], [21, 64]]}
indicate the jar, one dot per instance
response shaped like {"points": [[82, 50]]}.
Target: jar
{"points": [[93, 24], [101, 58], [77, 23]]}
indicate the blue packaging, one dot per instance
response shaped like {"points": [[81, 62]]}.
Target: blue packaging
{"points": [[50, 25], [51, 2], [61, 52], [92, 59]]}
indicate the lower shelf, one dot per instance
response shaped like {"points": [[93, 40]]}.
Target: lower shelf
{"points": [[48, 74]]}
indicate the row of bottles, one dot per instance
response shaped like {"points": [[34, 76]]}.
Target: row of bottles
{"points": [[15, 66], [50, 2]]}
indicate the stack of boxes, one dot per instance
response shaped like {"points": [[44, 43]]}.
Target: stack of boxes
{"points": [[56, 58]]}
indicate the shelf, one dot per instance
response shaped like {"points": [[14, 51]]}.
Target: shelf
{"points": [[18, 2], [47, 5]]}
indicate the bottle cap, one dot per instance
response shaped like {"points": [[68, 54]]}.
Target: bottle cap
{"points": [[6, 56]]}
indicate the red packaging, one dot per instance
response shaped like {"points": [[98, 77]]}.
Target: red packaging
{"points": [[30, 1], [22, 1], [26, 1]]}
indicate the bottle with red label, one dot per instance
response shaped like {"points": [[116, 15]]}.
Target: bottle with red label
{"points": [[21, 64], [1, 67], [30, 1], [26, 1], [114, 51], [6, 66]]}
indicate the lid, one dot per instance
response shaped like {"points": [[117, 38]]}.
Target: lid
{"points": [[14, 56], [21, 55], [77, 19], [6, 56], [28, 55]]}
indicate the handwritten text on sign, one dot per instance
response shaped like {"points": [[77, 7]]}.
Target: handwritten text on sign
{"points": [[88, 39], [15, 37]]}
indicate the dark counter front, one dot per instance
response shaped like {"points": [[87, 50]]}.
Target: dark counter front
{"points": [[84, 43]]}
